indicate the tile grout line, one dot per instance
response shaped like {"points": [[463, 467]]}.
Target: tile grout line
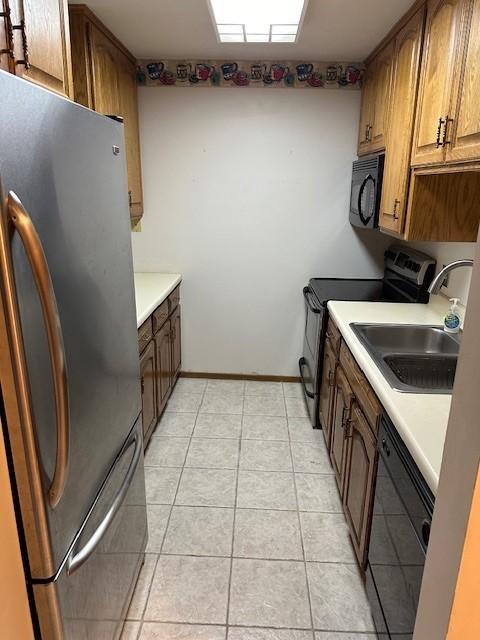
{"points": [[168, 519], [300, 526], [229, 594]]}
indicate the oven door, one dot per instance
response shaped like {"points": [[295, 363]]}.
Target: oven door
{"points": [[309, 362]]}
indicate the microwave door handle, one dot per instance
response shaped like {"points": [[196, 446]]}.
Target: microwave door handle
{"points": [[367, 178], [77, 559], [21, 221]]}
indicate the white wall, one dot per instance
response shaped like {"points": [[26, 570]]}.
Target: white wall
{"points": [[246, 194], [444, 253]]}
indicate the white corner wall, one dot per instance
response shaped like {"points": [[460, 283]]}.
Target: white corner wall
{"points": [[246, 194]]}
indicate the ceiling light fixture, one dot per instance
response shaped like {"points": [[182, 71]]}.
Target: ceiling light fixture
{"points": [[257, 20]]}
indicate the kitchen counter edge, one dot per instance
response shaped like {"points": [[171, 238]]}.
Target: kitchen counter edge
{"points": [[151, 289]]}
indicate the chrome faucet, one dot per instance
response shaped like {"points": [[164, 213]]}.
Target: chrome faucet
{"points": [[440, 277]]}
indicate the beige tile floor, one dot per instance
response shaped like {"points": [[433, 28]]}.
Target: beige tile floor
{"points": [[247, 539]]}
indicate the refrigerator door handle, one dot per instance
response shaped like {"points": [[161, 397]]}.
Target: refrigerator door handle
{"points": [[23, 224], [76, 559]]}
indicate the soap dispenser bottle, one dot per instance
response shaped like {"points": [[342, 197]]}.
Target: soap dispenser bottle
{"points": [[451, 322]]}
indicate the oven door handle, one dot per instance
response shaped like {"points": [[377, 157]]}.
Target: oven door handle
{"points": [[301, 364], [306, 295]]}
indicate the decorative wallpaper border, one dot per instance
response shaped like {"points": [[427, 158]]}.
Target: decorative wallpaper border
{"points": [[214, 73]]}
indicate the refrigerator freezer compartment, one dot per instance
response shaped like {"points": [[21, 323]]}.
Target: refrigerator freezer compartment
{"points": [[89, 597]]}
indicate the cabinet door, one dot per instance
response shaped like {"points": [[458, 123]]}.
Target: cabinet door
{"points": [[326, 390], [360, 470], [442, 41], [176, 344], [465, 128], [341, 413], [5, 57], [149, 393], [366, 111], [396, 172], [129, 110], [163, 341], [44, 43], [381, 104], [106, 91]]}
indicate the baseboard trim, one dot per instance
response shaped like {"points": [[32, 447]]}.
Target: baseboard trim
{"points": [[238, 376]]}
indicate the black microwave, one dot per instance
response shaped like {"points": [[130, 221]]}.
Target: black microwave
{"points": [[366, 191]]}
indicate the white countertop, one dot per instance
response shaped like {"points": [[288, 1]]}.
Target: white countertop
{"points": [[420, 419], [151, 289]]}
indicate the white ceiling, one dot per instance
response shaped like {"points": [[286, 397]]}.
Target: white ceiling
{"points": [[343, 30]]}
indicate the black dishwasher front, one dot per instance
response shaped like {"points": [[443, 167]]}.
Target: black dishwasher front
{"points": [[400, 531]]}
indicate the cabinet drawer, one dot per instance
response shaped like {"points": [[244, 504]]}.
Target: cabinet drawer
{"points": [[160, 315], [334, 335], [145, 334], [173, 300], [364, 393]]}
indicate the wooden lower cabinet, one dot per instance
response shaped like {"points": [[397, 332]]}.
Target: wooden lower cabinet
{"points": [[149, 389], [342, 403], [163, 347], [176, 344], [326, 389], [350, 416], [359, 481], [159, 340]]}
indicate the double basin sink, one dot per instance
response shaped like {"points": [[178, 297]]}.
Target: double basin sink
{"points": [[413, 358]]}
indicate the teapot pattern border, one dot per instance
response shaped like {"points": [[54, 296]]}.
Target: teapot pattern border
{"points": [[269, 74]]}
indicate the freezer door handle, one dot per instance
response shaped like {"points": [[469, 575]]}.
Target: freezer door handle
{"points": [[19, 218], [76, 559]]}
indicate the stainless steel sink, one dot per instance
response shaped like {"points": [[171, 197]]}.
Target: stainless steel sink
{"points": [[413, 358]]}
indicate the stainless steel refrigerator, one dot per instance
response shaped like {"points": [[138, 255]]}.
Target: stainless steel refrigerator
{"points": [[69, 366]]}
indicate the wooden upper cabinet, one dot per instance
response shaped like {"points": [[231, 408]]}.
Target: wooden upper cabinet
{"points": [[104, 79], [375, 102], [360, 469], [5, 57], [463, 135], [442, 47], [406, 64], [366, 111], [41, 43], [128, 109], [383, 78]]}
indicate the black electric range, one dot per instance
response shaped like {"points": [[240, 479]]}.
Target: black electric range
{"points": [[407, 276]]}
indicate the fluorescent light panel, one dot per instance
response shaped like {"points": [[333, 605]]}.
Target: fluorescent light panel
{"points": [[257, 20]]}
